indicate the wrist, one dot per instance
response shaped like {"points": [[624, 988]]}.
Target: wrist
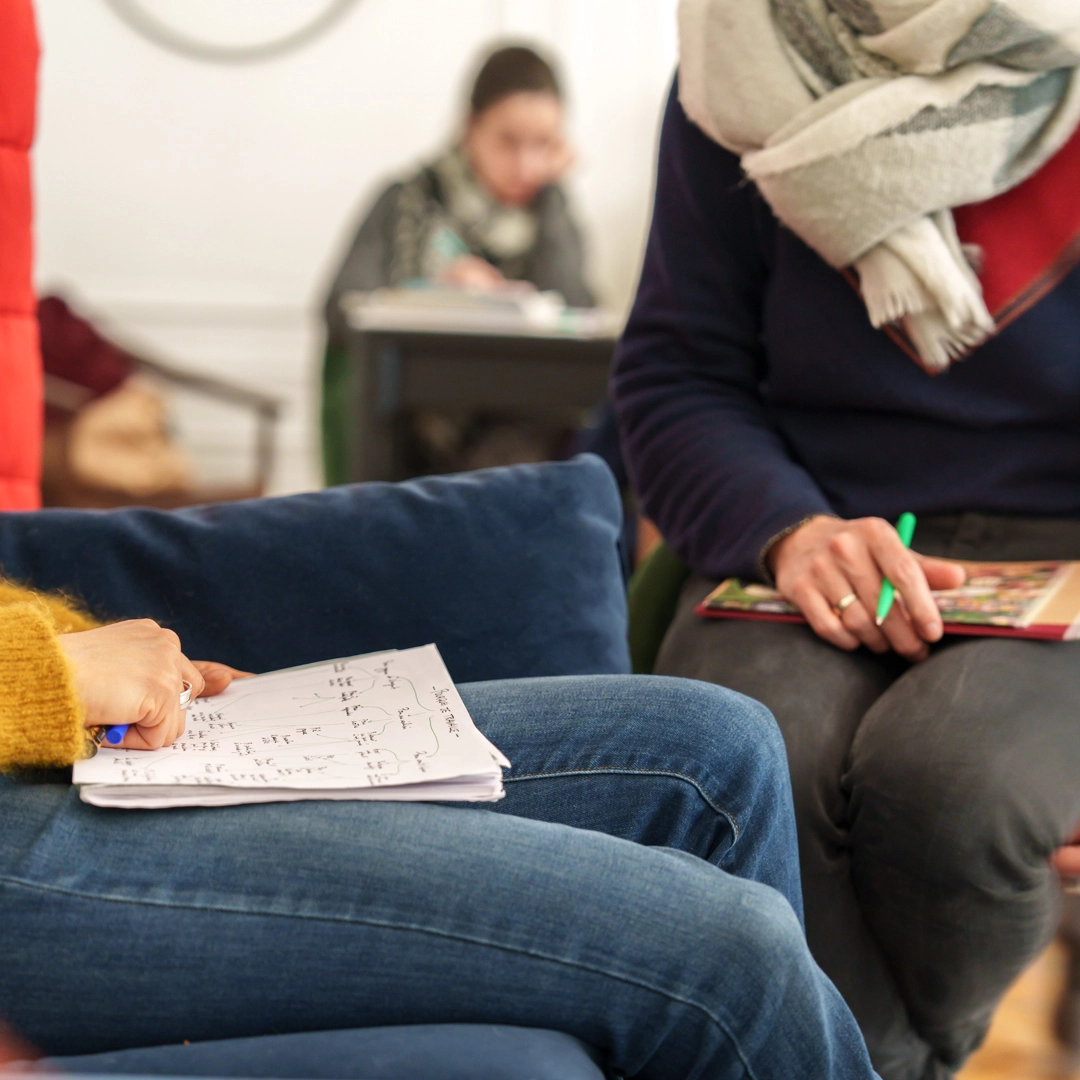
{"points": [[41, 718], [785, 541], [69, 647]]}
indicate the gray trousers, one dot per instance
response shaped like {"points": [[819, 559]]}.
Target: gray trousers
{"points": [[928, 798]]}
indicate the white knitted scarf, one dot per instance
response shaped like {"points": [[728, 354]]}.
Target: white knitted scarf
{"points": [[864, 122]]}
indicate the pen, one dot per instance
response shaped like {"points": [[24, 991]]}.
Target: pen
{"points": [[905, 527], [114, 734], [448, 244]]}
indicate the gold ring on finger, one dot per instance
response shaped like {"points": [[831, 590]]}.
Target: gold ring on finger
{"points": [[844, 603]]}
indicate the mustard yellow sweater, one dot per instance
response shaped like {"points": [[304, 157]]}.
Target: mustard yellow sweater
{"points": [[41, 720]]}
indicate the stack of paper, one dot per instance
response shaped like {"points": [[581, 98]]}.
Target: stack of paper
{"points": [[389, 726], [448, 309]]}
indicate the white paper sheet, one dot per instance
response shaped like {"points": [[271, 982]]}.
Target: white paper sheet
{"points": [[388, 726]]}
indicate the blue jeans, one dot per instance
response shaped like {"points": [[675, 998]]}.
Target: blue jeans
{"points": [[637, 888]]}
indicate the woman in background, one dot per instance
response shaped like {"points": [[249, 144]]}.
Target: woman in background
{"points": [[487, 212]]}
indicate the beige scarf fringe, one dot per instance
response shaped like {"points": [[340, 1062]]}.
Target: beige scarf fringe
{"points": [[864, 122]]}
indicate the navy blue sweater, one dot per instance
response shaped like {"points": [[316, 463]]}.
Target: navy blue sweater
{"points": [[752, 390]]}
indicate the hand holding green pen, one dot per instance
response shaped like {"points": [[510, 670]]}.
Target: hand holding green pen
{"points": [[832, 568], [905, 528]]}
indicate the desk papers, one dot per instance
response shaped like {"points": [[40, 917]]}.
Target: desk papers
{"points": [[453, 310], [390, 726]]}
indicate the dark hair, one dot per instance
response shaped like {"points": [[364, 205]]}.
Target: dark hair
{"points": [[513, 70]]}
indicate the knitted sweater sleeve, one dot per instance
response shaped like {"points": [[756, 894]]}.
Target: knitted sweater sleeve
{"points": [[41, 720]]}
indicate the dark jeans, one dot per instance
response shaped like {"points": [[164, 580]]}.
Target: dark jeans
{"points": [[928, 798]]}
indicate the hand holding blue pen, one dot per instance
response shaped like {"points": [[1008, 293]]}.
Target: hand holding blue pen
{"points": [[113, 735]]}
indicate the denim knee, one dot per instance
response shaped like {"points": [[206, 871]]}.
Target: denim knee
{"points": [[722, 729], [736, 756], [770, 934], [763, 950]]}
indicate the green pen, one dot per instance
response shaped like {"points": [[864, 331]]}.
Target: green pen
{"points": [[905, 528]]}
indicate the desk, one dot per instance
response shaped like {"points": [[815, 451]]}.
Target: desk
{"points": [[464, 361]]}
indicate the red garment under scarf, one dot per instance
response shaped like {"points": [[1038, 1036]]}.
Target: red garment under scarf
{"points": [[1030, 235]]}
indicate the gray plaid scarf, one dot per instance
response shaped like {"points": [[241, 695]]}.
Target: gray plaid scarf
{"points": [[863, 122], [444, 212]]}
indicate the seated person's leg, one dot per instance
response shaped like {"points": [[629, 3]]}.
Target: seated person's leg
{"points": [[662, 762], [818, 695], [963, 780], [127, 928]]}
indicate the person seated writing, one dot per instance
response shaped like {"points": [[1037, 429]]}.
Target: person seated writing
{"points": [[677, 954], [860, 297], [488, 211], [488, 214]]}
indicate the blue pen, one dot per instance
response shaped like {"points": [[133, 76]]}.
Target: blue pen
{"points": [[114, 734]]}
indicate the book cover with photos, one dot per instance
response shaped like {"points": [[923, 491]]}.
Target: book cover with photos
{"points": [[1015, 599]]}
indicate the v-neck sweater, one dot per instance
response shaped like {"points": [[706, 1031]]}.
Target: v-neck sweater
{"points": [[753, 392]]}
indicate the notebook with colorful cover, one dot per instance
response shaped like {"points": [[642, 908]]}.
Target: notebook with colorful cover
{"points": [[1008, 599]]}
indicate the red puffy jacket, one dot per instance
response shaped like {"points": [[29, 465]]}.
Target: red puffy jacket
{"points": [[20, 359]]}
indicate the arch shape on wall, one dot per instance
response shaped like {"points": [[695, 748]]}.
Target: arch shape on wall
{"points": [[150, 26]]}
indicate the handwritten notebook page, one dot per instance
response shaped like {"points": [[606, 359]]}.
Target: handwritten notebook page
{"points": [[390, 726]]}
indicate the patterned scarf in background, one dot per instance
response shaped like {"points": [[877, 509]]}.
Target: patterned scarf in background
{"points": [[444, 212], [864, 122]]}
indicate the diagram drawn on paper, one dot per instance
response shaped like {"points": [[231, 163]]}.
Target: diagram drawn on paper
{"points": [[388, 719]]}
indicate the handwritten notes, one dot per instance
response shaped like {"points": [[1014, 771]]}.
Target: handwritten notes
{"points": [[387, 726]]}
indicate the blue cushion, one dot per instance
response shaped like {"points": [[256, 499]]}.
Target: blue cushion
{"points": [[423, 1052], [512, 572]]}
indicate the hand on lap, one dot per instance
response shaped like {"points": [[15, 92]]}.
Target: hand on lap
{"points": [[832, 571], [1066, 860], [216, 677], [470, 271], [133, 673]]}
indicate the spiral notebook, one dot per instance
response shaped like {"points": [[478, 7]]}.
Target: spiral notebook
{"points": [[388, 726], [1000, 599]]}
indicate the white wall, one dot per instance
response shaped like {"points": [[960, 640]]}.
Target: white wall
{"points": [[201, 207]]}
